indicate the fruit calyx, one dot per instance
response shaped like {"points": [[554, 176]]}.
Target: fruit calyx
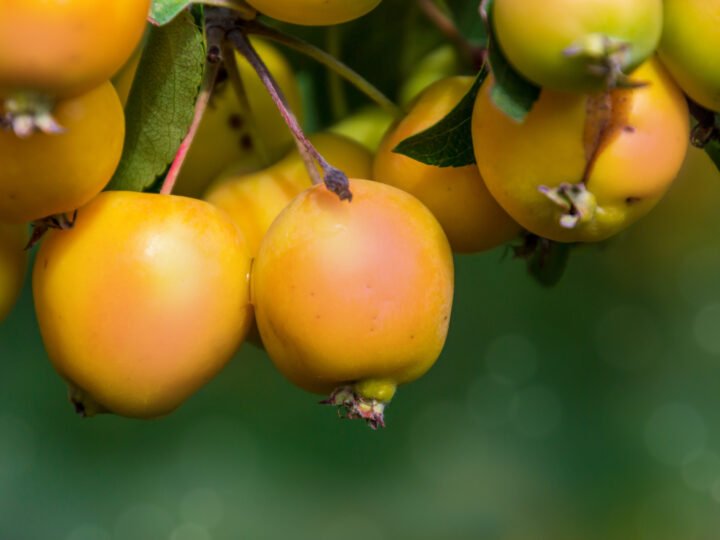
{"points": [[365, 400], [41, 226], [605, 58], [577, 203], [26, 113], [85, 405]]}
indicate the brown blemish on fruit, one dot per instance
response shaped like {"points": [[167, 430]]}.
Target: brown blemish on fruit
{"points": [[235, 121], [246, 142], [607, 116]]}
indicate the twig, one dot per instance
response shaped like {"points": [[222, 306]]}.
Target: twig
{"points": [[335, 180], [357, 80]]}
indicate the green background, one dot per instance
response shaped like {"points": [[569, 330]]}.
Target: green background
{"points": [[586, 411]]}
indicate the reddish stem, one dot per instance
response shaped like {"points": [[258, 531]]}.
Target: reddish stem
{"points": [[211, 71]]}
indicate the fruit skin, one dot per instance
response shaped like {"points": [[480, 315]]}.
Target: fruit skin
{"points": [[254, 200], [44, 175], [534, 35], [642, 151], [457, 196], [226, 136], [123, 79], [689, 46], [64, 48], [353, 292], [13, 261], [143, 301], [314, 12], [439, 64], [367, 126]]}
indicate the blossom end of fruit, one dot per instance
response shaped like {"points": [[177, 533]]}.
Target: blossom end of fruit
{"points": [[351, 405]]}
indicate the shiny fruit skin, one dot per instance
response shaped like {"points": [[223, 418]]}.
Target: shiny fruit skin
{"points": [[350, 292], [314, 12], [534, 35], [143, 301], [641, 154], [13, 261], [63, 48], [43, 174], [689, 46], [226, 135], [457, 196], [254, 200]]}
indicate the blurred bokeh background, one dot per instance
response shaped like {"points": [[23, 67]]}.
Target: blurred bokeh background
{"points": [[586, 411]]}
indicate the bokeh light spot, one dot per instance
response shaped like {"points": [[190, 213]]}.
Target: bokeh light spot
{"points": [[675, 433]]}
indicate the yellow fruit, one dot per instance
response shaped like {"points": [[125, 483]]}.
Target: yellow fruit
{"points": [[254, 200], [63, 48], [689, 45], [47, 174], [367, 126], [537, 35], [143, 301], [314, 12], [624, 147], [458, 198], [441, 63], [354, 294]]}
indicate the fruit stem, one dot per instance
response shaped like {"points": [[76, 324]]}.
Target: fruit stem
{"points": [[335, 180], [212, 66], [329, 61], [472, 54]]}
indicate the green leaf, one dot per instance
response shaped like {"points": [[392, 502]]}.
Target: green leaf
{"points": [[449, 142], [511, 93], [164, 11], [548, 264], [467, 17], [545, 259], [713, 150], [160, 109]]}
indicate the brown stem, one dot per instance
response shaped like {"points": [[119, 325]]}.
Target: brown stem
{"points": [[335, 180]]}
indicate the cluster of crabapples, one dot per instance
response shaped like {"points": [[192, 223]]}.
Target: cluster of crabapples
{"points": [[142, 298]]}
